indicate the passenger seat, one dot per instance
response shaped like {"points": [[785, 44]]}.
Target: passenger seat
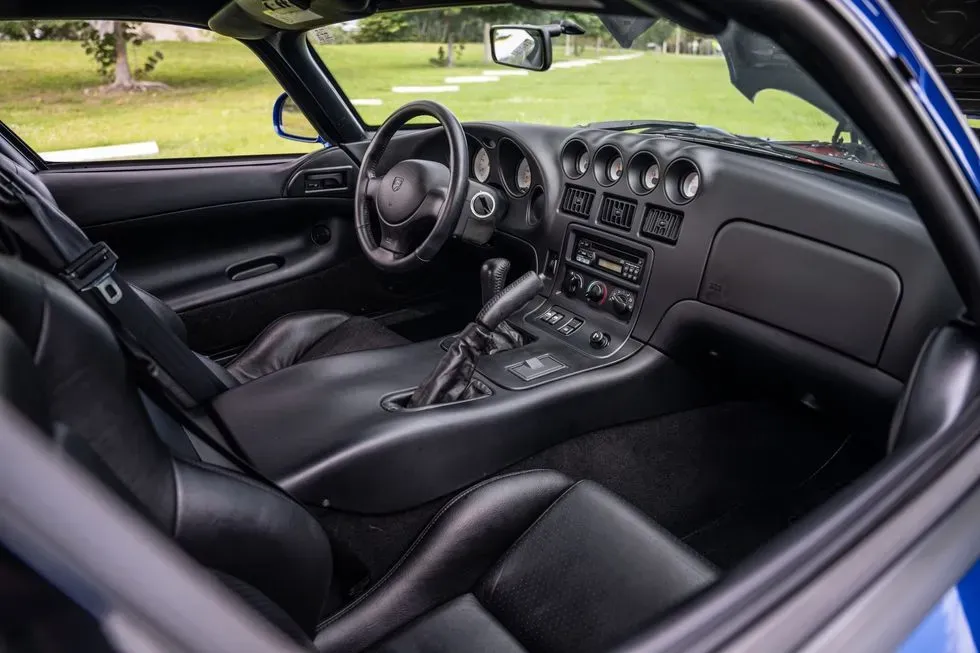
{"points": [[532, 561]]}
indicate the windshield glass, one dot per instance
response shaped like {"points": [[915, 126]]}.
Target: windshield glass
{"points": [[739, 81]]}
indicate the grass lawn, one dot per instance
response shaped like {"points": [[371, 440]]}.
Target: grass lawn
{"points": [[220, 98]]}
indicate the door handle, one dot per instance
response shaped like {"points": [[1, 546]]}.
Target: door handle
{"points": [[254, 267]]}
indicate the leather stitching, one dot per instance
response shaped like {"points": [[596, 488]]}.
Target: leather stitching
{"points": [[418, 540]]}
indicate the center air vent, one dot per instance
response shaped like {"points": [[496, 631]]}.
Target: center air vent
{"points": [[661, 224], [577, 201], [617, 212]]}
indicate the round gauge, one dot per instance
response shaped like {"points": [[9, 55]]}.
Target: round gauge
{"points": [[582, 163], [523, 176], [481, 165], [651, 176], [615, 169], [690, 185]]}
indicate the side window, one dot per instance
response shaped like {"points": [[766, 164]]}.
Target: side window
{"points": [[103, 90]]}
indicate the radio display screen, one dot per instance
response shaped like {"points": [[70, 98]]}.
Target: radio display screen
{"points": [[609, 265]]}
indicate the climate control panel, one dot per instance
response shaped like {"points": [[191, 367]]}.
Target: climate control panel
{"points": [[600, 294]]}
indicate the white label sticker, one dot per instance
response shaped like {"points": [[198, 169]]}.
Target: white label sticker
{"points": [[321, 36], [287, 13]]}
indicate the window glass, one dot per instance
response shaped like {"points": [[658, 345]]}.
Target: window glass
{"points": [[181, 92], [737, 82]]}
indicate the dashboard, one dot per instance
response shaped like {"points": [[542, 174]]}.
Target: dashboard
{"points": [[817, 280]]}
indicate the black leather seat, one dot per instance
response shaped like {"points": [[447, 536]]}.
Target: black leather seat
{"points": [[532, 561], [292, 339]]}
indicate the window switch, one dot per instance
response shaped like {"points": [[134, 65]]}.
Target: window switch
{"points": [[556, 318], [572, 326], [550, 313]]}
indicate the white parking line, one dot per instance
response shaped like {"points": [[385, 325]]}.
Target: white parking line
{"points": [[425, 89], [366, 102], [575, 63], [621, 57], [472, 79], [125, 151]]}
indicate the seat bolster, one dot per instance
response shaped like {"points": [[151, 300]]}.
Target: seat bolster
{"points": [[283, 343], [451, 554], [589, 574], [255, 533]]}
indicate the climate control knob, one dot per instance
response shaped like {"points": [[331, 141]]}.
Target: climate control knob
{"points": [[622, 304], [573, 283], [596, 292]]}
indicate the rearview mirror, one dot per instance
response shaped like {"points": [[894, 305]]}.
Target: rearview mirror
{"points": [[521, 46], [290, 123]]}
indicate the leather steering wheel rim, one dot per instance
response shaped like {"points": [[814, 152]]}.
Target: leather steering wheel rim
{"points": [[447, 203]]}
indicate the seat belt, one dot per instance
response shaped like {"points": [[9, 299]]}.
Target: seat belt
{"points": [[91, 271]]}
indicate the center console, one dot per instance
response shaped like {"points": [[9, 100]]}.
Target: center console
{"points": [[602, 283], [337, 431]]}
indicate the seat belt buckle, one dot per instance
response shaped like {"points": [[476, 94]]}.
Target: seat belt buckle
{"points": [[93, 270]]}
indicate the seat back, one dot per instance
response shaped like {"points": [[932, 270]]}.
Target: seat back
{"points": [[61, 365]]}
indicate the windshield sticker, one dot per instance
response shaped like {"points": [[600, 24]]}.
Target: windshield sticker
{"points": [[287, 13]]}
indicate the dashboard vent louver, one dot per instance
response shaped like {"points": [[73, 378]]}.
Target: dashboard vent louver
{"points": [[577, 201], [661, 224], [617, 212]]}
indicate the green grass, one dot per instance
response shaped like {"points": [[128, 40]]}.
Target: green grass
{"points": [[220, 97]]}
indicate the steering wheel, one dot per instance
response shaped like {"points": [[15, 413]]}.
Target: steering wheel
{"points": [[413, 197]]}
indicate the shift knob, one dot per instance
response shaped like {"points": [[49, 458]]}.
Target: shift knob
{"points": [[493, 276], [509, 300]]}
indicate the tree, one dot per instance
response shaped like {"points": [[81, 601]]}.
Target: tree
{"points": [[108, 47], [382, 27]]}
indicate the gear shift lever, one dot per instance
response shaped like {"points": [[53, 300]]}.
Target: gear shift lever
{"points": [[493, 276], [451, 379]]}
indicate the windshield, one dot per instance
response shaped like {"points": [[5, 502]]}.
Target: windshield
{"points": [[738, 82]]}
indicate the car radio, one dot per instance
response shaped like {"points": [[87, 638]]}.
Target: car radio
{"points": [[609, 259]]}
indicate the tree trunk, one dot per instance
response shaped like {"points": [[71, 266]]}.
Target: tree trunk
{"points": [[487, 52], [568, 45], [450, 54], [123, 77], [677, 41]]}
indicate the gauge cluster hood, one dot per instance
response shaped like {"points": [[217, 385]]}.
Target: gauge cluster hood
{"points": [[756, 63]]}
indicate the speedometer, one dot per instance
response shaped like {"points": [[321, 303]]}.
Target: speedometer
{"points": [[523, 176], [481, 165]]}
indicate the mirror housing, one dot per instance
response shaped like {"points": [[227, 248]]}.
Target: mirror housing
{"points": [[290, 123], [528, 46], [521, 46]]}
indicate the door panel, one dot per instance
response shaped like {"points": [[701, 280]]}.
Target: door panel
{"points": [[234, 245]]}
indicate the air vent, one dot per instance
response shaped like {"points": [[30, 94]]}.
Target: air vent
{"points": [[617, 212], [661, 224], [577, 201]]}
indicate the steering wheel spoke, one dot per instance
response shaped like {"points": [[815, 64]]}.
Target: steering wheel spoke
{"points": [[372, 186], [395, 241], [430, 207]]}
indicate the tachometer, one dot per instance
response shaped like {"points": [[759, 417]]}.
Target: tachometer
{"points": [[651, 177], [523, 176], [582, 163], [615, 169], [481, 165]]}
